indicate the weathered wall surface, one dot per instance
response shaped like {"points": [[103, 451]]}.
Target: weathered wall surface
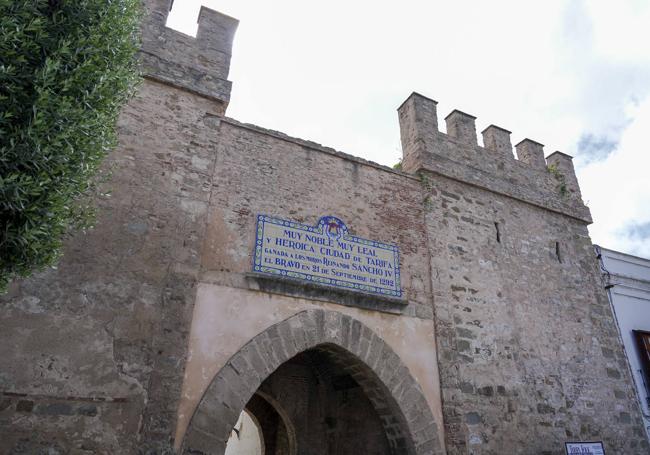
{"points": [[94, 351], [528, 349], [262, 172], [91, 352], [527, 339], [226, 318]]}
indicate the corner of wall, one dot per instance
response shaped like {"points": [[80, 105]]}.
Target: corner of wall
{"points": [[199, 65], [549, 183]]}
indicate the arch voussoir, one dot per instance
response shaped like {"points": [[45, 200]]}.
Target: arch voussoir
{"points": [[364, 343], [256, 361], [386, 381], [310, 327], [332, 327], [346, 322], [242, 364], [293, 345], [277, 345], [375, 351], [355, 337]]}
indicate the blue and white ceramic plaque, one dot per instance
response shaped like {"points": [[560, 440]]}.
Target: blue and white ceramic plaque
{"points": [[326, 254]]}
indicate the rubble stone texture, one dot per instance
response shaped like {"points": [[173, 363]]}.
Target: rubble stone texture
{"points": [[504, 344]]}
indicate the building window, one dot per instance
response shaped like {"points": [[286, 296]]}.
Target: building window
{"points": [[642, 339]]}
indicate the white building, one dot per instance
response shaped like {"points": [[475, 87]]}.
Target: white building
{"points": [[627, 280]]}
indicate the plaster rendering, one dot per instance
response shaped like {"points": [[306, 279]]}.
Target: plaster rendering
{"points": [[627, 281]]}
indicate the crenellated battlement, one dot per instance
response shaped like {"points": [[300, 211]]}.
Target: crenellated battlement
{"points": [[547, 182], [199, 64]]}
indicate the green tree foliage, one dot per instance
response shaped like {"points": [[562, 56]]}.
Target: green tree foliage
{"points": [[66, 69]]}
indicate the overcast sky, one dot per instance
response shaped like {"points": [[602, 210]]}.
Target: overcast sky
{"points": [[573, 75]]}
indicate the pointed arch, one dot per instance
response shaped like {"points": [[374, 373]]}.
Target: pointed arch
{"points": [[264, 406], [397, 398]]}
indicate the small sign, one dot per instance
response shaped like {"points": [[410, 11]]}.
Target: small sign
{"points": [[326, 254], [584, 448]]}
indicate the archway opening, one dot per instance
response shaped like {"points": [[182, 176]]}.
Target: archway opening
{"points": [[339, 386], [276, 431], [313, 404]]}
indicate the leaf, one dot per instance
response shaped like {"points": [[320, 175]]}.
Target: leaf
{"points": [[65, 73]]}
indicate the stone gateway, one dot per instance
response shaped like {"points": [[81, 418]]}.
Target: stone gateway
{"points": [[450, 307]]}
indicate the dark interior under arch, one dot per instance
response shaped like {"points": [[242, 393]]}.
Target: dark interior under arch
{"points": [[313, 405]]}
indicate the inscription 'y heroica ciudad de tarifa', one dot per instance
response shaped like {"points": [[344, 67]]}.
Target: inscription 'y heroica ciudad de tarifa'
{"points": [[326, 254]]}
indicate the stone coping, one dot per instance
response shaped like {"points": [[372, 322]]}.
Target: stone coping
{"points": [[299, 288]]}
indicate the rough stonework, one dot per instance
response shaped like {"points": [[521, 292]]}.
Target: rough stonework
{"points": [[529, 352], [153, 333]]}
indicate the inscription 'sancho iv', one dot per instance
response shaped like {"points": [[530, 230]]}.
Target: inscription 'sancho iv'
{"points": [[326, 254]]}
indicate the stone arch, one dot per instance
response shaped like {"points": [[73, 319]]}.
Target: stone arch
{"points": [[387, 382], [263, 405]]}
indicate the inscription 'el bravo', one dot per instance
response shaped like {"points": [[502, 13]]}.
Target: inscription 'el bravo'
{"points": [[326, 254]]}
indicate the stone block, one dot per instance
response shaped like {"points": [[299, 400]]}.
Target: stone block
{"points": [[462, 127]]}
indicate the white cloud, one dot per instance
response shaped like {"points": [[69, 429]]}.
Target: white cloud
{"points": [[556, 71], [621, 30], [618, 188]]}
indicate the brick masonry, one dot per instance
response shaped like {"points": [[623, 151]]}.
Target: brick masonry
{"points": [[505, 344]]}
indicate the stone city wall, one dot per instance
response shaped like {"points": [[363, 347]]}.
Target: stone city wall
{"points": [[153, 323], [528, 349]]}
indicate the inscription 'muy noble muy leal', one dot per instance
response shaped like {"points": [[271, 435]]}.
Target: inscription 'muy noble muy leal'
{"points": [[326, 254]]}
